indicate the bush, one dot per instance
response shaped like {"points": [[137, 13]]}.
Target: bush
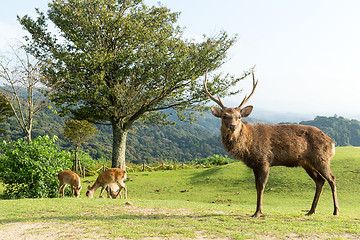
{"points": [[29, 169], [215, 160]]}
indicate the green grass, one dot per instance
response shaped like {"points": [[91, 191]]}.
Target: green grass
{"points": [[199, 203]]}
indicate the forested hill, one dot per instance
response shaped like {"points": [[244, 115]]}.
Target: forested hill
{"points": [[182, 142], [344, 132]]}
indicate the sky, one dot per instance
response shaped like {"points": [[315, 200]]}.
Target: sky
{"points": [[306, 53]]}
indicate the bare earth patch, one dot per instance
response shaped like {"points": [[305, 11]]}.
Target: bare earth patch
{"points": [[29, 231], [42, 231]]}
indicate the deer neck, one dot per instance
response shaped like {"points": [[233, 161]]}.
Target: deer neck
{"points": [[237, 143], [94, 187]]}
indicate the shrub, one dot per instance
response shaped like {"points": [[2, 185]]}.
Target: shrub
{"points": [[215, 160], [29, 169]]}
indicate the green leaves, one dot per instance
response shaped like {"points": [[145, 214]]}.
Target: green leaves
{"points": [[29, 169], [5, 109], [78, 131], [121, 59]]}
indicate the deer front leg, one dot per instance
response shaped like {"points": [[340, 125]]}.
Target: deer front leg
{"points": [[59, 188], [261, 177], [101, 192]]}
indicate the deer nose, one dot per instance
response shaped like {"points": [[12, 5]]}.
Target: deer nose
{"points": [[232, 127]]}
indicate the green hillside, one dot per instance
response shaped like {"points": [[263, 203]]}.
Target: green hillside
{"points": [[146, 143], [345, 132]]}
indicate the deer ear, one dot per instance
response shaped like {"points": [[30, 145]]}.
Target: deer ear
{"points": [[245, 112], [217, 112]]}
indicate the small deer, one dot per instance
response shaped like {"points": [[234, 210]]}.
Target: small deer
{"points": [[112, 175], [261, 146], [113, 191], [71, 178]]}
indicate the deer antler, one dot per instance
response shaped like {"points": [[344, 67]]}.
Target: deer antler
{"points": [[218, 101], [246, 98]]}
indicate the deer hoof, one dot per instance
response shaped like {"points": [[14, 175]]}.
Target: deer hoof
{"points": [[310, 213], [256, 215]]}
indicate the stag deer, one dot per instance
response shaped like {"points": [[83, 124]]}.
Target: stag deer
{"points": [[112, 175], [261, 146], [71, 178]]}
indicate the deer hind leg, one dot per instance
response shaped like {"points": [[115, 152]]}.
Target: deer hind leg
{"points": [[261, 177], [319, 181], [329, 176]]}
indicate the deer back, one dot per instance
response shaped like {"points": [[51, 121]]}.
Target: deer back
{"points": [[278, 145], [69, 177]]}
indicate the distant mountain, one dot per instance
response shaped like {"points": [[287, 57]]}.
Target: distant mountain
{"points": [[272, 117], [278, 117]]}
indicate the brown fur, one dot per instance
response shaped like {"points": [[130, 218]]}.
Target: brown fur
{"points": [[279, 145], [261, 146], [112, 175], [71, 178], [113, 191]]}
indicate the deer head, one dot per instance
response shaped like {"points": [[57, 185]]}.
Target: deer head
{"points": [[90, 192], [231, 117], [76, 191]]}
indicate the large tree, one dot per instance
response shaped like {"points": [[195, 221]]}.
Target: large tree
{"points": [[120, 61]]}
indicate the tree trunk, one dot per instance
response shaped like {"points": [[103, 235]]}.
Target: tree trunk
{"points": [[76, 159], [119, 146]]}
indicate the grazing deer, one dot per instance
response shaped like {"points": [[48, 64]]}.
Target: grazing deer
{"points": [[71, 178], [261, 146], [112, 175], [113, 191]]}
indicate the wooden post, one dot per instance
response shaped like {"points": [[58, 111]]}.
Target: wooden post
{"points": [[143, 167], [103, 167]]}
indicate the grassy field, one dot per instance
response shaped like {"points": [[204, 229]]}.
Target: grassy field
{"points": [[213, 203]]}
